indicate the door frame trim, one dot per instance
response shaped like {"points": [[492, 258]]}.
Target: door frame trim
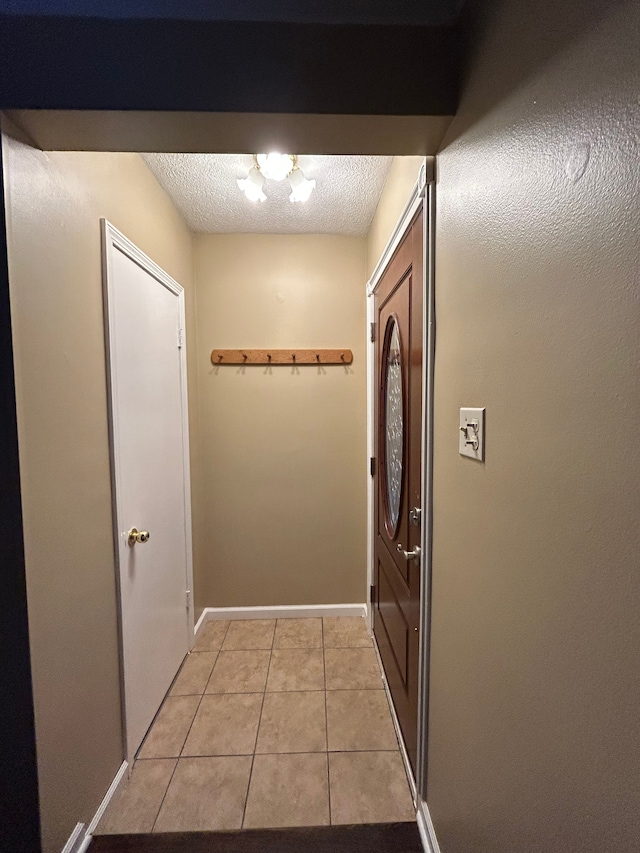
{"points": [[112, 238], [422, 195], [428, 363], [414, 202]]}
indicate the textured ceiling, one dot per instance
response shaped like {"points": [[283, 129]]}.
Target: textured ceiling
{"points": [[204, 189]]}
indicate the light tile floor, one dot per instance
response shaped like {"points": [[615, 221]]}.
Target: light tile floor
{"points": [[268, 724]]}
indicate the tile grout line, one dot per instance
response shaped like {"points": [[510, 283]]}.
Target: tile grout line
{"points": [[177, 758], [169, 695], [297, 690], [283, 752], [225, 634], [166, 791], [175, 680], [326, 725], [201, 695], [255, 744], [221, 642], [235, 692], [164, 796], [175, 767]]}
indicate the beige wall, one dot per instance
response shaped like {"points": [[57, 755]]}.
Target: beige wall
{"points": [[54, 204], [283, 451], [535, 673], [401, 180]]}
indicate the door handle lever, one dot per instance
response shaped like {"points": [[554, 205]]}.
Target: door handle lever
{"points": [[410, 555]]}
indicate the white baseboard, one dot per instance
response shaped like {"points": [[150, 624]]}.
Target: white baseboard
{"points": [[75, 840], [201, 621], [107, 797], [85, 843], [425, 827], [80, 838], [285, 611]]}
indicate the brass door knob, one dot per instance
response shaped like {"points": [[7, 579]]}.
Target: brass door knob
{"points": [[134, 536]]}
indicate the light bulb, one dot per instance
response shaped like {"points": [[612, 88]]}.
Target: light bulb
{"points": [[252, 185], [275, 166], [301, 188]]}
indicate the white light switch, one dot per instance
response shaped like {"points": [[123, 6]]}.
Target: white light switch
{"points": [[472, 433]]}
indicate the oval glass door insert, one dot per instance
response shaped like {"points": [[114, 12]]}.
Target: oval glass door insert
{"points": [[393, 423]]}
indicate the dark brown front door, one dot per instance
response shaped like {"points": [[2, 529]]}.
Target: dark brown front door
{"points": [[398, 302]]}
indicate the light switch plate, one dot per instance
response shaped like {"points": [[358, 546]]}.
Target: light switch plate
{"points": [[471, 435]]}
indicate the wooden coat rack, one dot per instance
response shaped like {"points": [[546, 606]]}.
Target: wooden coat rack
{"points": [[281, 356]]}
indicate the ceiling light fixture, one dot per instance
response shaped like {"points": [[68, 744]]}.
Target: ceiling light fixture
{"points": [[276, 167], [301, 188], [252, 185]]}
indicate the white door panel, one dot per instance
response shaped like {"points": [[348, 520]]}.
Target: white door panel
{"points": [[150, 477]]}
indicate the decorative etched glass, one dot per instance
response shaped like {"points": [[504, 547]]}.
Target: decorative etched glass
{"points": [[393, 424]]}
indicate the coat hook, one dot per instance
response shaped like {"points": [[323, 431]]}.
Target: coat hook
{"points": [[318, 357], [269, 356], [293, 356], [342, 356], [219, 356], [244, 356]]}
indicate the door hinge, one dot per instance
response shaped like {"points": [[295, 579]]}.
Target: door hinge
{"points": [[188, 598], [372, 466], [373, 332], [372, 591], [180, 338]]}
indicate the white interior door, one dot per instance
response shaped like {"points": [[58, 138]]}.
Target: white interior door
{"points": [[144, 317]]}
